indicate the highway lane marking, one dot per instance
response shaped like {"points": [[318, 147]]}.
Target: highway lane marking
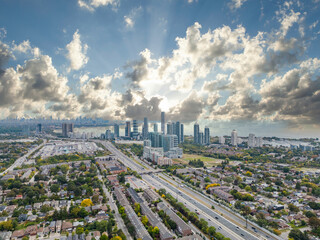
{"points": [[127, 159], [203, 213], [227, 217], [208, 206]]}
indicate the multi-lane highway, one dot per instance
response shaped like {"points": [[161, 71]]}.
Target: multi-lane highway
{"points": [[196, 201]]}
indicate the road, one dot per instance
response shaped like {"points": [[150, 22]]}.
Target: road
{"points": [[232, 229], [22, 159], [221, 209], [114, 207], [192, 206]]}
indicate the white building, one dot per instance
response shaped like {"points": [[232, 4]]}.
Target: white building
{"points": [[174, 153], [164, 161], [234, 138], [152, 153], [222, 140], [259, 142], [251, 140]]}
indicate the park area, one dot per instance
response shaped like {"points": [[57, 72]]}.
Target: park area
{"points": [[208, 162]]}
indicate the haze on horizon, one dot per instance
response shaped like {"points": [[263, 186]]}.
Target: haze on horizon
{"points": [[237, 64]]}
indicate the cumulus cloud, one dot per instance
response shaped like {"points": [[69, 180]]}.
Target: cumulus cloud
{"points": [[5, 54], [25, 48], [77, 52], [29, 87], [91, 5], [188, 110], [193, 59], [213, 75]]}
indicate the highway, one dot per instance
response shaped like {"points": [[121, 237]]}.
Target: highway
{"points": [[194, 206], [233, 230], [22, 159], [222, 209]]}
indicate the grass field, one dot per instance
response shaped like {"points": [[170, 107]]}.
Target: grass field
{"points": [[209, 162]]}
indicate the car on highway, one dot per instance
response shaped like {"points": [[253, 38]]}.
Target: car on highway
{"points": [[216, 217]]}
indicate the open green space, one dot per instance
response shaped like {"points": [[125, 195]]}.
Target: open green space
{"points": [[209, 162]]}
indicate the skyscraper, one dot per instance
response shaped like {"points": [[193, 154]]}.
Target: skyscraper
{"points": [[234, 138], [178, 131], [145, 129], [67, 128], [128, 129], [200, 138], [39, 128], [169, 142], [108, 134], [196, 133], [169, 128], [182, 133], [206, 135], [156, 139], [163, 122], [155, 127], [116, 130], [135, 132]]}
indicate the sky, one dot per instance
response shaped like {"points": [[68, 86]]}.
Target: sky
{"points": [[249, 65]]}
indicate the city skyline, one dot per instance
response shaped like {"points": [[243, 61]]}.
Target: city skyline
{"points": [[197, 61]]}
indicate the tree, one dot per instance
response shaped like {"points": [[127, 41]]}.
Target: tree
{"points": [[248, 174], [79, 230], [45, 208], [95, 198], [155, 231], [104, 237], [83, 213], [55, 188], [293, 208], [144, 220], [137, 208], [310, 214], [246, 211], [248, 188], [211, 230], [314, 222], [296, 234], [86, 203]]}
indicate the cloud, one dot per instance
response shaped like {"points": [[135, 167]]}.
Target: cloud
{"points": [[188, 110], [5, 54], [194, 58], [91, 5], [77, 52], [28, 88], [235, 4], [25, 48], [140, 68], [144, 108], [130, 19]]}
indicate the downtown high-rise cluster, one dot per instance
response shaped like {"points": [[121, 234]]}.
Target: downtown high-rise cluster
{"points": [[199, 137]]}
